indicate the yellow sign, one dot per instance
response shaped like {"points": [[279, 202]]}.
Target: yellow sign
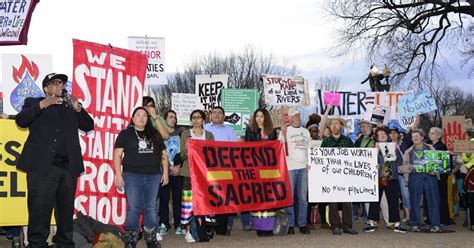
{"points": [[13, 205]]}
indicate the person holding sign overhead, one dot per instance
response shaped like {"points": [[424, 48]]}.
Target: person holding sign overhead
{"points": [[336, 123], [388, 182]]}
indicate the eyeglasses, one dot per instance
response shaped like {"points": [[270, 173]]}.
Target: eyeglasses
{"points": [[197, 117], [56, 83]]}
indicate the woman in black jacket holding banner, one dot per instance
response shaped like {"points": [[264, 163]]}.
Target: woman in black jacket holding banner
{"points": [[261, 129]]}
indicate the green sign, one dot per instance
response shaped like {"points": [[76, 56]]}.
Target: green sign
{"points": [[239, 105], [432, 161]]}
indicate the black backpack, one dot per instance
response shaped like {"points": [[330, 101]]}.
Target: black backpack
{"points": [[202, 228]]}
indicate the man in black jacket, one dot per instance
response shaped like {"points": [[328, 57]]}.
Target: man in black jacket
{"points": [[52, 159]]}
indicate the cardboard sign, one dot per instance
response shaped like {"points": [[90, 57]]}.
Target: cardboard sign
{"points": [[285, 91], [109, 83], [280, 116], [332, 98], [233, 177], [343, 175], [411, 105], [388, 151], [464, 146], [453, 130], [184, 105], [22, 77], [154, 49], [208, 89]]}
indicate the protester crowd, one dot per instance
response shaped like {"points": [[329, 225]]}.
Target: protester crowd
{"points": [[151, 165]]}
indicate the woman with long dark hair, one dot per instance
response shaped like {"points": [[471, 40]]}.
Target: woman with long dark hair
{"points": [[145, 166], [261, 129]]}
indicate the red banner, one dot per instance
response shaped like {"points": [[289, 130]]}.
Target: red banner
{"points": [[232, 177], [109, 84]]}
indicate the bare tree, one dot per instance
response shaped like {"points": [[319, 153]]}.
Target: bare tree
{"points": [[244, 69], [406, 35]]}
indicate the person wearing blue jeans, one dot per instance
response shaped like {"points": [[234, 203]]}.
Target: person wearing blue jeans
{"points": [[296, 139], [144, 166], [299, 185], [419, 182]]}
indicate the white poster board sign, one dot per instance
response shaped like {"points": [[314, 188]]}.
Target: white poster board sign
{"points": [[23, 76], [154, 49], [183, 105], [208, 89], [388, 151], [342, 175]]}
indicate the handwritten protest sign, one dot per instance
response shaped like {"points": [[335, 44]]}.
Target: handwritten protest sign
{"points": [[355, 104], [154, 49], [432, 161], [208, 89], [183, 104], [464, 146], [410, 104], [239, 105], [279, 116], [332, 98], [22, 77], [15, 18], [285, 91], [377, 113], [453, 130], [343, 175], [388, 151], [232, 177]]}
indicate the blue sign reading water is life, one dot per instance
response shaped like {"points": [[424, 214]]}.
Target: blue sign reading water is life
{"points": [[410, 105]]}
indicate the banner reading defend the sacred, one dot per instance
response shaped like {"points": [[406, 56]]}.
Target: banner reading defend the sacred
{"points": [[109, 83], [232, 177]]}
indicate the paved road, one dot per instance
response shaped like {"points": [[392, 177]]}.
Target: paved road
{"points": [[382, 237]]}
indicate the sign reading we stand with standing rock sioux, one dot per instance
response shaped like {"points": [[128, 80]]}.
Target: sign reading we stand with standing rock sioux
{"points": [[342, 175], [109, 82]]}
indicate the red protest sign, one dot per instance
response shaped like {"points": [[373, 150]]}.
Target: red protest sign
{"points": [[109, 84], [453, 130], [332, 98], [231, 177]]}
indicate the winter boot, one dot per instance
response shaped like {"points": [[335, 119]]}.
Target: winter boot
{"points": [[130, 239], [150, 238]]}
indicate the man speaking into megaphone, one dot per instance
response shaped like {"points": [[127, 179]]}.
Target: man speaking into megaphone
{"points": [[52, 159]]}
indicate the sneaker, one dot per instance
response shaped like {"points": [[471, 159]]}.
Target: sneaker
{"points": [[400, 229], [163, 229], [247, 228], [189, 238], [159, 237], [180, 231], [415, 229], [16, 242], [349, 231], [369, 228], [435, 230], [291, 230], [151, 240]]}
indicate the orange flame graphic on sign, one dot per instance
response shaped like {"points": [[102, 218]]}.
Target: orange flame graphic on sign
{"points": [[26, 65]]}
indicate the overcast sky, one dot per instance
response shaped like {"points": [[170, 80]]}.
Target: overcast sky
{"points": [[297, 30]]}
